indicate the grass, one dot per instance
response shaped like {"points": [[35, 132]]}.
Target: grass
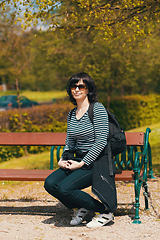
{"points": [[39, 96], [44, 96], [31, 161]]}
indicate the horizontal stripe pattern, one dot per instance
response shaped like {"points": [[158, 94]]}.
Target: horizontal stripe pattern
{"points": [[88, 137]]}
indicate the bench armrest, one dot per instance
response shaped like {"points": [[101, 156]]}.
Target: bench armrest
{"points": [[145, 157]]}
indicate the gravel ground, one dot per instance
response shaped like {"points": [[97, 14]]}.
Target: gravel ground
{"points": [[28, 212]]}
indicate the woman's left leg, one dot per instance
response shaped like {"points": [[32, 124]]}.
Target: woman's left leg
{"points": [[51, 186], [70, 188]]}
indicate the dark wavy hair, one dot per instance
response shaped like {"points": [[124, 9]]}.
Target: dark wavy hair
{"points": [[92, 94]]}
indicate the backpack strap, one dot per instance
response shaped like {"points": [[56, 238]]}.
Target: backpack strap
{"points": [[110, 164], [70, 113], [90, 111]]}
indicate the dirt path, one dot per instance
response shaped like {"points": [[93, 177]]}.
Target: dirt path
{"points": [[28, 212]]}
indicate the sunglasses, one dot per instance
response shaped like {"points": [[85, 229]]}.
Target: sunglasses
{"points": [[80, 87]]}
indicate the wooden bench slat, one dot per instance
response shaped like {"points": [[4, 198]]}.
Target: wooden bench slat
{"points": [[32, 139], [124, 176], [24, 174], [54, 138], [40, 175]]}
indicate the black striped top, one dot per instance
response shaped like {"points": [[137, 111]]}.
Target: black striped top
{"points": [[88, 137]]}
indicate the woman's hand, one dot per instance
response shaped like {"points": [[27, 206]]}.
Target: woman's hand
{"points": [[63, 164], [73, 165]]}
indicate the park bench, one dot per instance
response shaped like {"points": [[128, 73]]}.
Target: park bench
{"points": [[135, 164]]}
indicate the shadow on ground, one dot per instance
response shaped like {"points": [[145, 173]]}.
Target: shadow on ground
{"points": [[58, 214]]}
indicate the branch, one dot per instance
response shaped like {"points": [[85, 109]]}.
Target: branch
{"points": [[25, 64], [12, 60]]}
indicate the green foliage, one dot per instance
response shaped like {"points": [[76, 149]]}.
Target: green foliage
{"points": [[8, 152], [35, 119], [136, 111], [104, 19]]}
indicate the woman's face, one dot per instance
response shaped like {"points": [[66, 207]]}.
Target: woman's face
{"points": [[79, 90]]}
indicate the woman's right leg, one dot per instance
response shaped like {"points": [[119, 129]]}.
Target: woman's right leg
{"points": [[51, 186]]}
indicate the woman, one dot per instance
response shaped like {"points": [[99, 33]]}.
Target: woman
{"points": [[88, 142]]}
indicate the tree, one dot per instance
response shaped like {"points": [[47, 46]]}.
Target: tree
{"points": [[6, 73], [146, 64], [14, 44], [116, 70], [46, 61], [118, 64], [104, 19], [15, 47]]}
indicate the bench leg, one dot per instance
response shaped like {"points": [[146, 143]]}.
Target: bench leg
{"points": [[144, 183], [150, 174], [137, 195], [137, 204], [145, 193], [137, 221]]}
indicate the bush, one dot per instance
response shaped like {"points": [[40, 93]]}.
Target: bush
{"points": [[37, 116], [136, 111], [8, 152]]}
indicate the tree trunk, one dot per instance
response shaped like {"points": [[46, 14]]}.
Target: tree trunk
{"points": [[19, 106]]}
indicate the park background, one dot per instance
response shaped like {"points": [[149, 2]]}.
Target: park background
{"points": [[43, 45]]}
